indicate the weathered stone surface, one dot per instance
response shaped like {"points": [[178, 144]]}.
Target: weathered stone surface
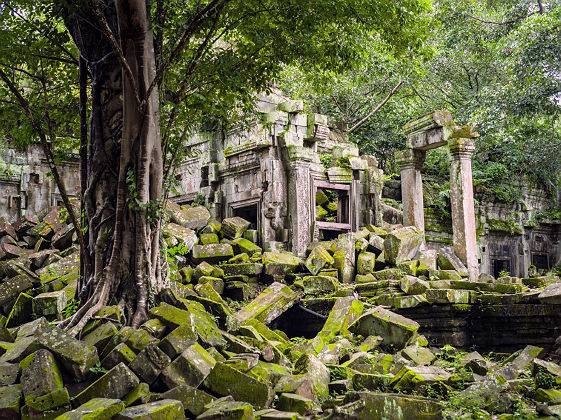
{"points": [[421, 356], [96, 408], [344, 257], [212, 253], [10, 401], [366, 263], [49, 304], [186, 237], [40, 376], [225, 380], [414, 285], [8, 373], [74, 355], [446, 259], [194, 400], [549, 396], [403, 244], [149, 363], [116, 383], [414, 377], [376, 405], [527, 356], [158, 410], [121, 353], [59, 268], [21, 311], [280, 263], [189, 368], [189, 217], [294, 403], [317, 285], [242, 245], [179, 339], [318, 259], [345, 312], [551, 294], [234, 227], [274, 300], [395, 329], [11, 288], [225, 409], [139, 395]]}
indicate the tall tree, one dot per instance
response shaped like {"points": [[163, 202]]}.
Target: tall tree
{"points": [[159, 70]]}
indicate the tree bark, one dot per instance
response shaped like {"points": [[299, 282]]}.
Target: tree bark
{"points": [[124, 161]]}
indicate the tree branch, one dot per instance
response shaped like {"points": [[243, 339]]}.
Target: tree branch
{"points": [[377, 108], [118, 50]]}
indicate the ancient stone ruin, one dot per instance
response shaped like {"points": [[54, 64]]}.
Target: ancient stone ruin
{"points": [[294, 292]]}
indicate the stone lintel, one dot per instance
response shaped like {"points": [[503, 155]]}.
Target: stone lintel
{"points": [[410, 158], [428, 121]]}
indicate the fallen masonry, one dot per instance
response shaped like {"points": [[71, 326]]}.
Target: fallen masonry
{"points": [[368, 325]]}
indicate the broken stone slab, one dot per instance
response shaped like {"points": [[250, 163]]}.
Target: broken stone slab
{"points": [[189, 217], [227, 409], [116, 383], [59, 268], [370, 381], [377, 405], [317, 285], [96, 408], [186, 237], [446, 259], [21, 311], [120, 353], [526, 357], [163, 409], [194, 400], [170, 315], [266, 307], [548, 396], [403, 244], [234, 227], [8, 373], [409, 301], [75, 356], [12, 287], [139, 395], [414, 285], [49, 304], [395, 329], [345, 312], [551, 295], [280, 263], [344, 257], [421, 356], [242, 245], [318, 259], [225, 380], [546, 370], [317, 373], [366, 263], [149, 363], [10, 401], [189, 368], [242, 269], [20, 349], [295, 403], [40, 375], [212, 253], [411, 378], [179, 339], [444, 296]]}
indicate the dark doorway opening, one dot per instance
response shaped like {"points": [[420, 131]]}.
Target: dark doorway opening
{"points": [[500, 266], [540, 261], [249, 213]]}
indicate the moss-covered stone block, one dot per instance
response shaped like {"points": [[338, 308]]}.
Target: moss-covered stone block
{"points": [[403, 244], [225, 380], [280, 263], [274, 300], [95, 409], [116, 383], [234, 227], [242, 245], [179, 339], [212, 253], [318, 260], [242, 269], [194, 400], [100, 336], [158, 410], [120, 353], [185, 237], [294, 403], [225, 409], [21, 311], [148, 364], [189, 217], [189, 368], [395, 329], [10, 401], [317, 285], [209, 238]]}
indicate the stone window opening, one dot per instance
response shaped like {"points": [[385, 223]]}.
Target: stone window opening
{"points": [[500, 266], [332, 209], [204, 176], [540, 261]]}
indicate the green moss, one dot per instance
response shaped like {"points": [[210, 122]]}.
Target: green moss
{"points": [[508, 225]]}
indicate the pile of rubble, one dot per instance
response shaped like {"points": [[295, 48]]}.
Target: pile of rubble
{"points": [[210, 349]]}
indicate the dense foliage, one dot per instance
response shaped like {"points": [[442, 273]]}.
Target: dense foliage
{"points": [[493, 64]]}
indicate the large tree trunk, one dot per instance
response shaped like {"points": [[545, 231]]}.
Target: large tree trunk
{"points": [[124, 161]]}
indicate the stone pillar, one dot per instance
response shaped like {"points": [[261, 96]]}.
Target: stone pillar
{"points": [[461, 198], [410, 162], [299, 205]]}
